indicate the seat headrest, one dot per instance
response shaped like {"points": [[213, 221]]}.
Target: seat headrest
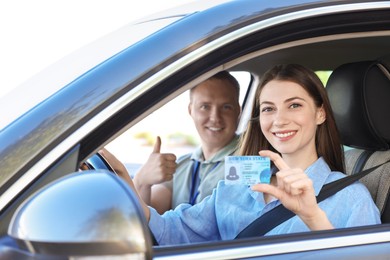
{"points": [[359, 94]]}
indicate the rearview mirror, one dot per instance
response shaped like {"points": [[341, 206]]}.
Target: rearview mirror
{"points": [[89, 213]]}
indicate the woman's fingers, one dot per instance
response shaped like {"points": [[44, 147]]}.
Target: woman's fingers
{"points": [[289, 179], [297, 186], [275, 158], [269, 189]]}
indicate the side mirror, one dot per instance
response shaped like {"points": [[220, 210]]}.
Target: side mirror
{"points": [[89, 213]]}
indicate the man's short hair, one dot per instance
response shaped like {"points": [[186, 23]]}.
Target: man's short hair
{"points": [[225, 76]]}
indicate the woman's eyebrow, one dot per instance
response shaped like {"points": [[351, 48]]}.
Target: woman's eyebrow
{"points": [[286, 101], [293, 98], [266, 103]]}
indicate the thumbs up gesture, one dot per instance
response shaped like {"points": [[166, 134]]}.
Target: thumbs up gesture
{"points": [[159, 167]]}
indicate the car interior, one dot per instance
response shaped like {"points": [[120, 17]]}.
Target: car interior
{"points": [[358, 89], [356, 72], [367, 135]]}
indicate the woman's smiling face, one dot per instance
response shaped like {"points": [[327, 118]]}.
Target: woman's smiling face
{"points": [[289, 118]]}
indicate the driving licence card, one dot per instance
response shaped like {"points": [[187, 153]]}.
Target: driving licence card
{"points": [[247, 170]]}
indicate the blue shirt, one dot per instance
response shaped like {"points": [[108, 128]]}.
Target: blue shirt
{"points": [[231, 208]]}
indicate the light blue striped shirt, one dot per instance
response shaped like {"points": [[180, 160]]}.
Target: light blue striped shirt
{"points": [[230, 208]]}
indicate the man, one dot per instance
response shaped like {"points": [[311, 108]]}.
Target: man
{"points": [[163, 182]]}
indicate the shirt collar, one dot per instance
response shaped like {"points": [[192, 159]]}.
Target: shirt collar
{"points": [[318, 172], [229, 149]]}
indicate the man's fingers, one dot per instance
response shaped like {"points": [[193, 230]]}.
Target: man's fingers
{"points": [[276, 158], [157, 145], [170, 164], [170, 157]]}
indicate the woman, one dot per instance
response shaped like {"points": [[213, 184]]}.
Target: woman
{"points": [[293, 125], [293, 117]]}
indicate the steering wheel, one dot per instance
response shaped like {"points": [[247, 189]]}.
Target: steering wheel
{"points": [[97, 161]]}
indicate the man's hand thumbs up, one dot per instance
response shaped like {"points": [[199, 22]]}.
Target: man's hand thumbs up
{"points": [[157, 145]]}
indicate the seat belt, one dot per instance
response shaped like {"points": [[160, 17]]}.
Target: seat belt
{"points": [[279, 214]]}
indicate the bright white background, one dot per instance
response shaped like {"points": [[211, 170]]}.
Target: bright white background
{"points": [[37, 33]]}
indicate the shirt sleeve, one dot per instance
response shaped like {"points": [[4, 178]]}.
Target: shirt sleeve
{"points": [[186, 223], [356, 207], [364, 212]]}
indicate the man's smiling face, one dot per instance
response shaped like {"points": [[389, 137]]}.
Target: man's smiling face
{"points": [[215, 109]]}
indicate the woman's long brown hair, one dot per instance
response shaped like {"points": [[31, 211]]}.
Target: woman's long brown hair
{"points": [[327, 139]]}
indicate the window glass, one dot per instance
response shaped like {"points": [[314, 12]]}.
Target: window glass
{"points": [[244, 78], [324, 75]]}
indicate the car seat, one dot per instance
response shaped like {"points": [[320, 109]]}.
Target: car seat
{"points": [[359, 94]]}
